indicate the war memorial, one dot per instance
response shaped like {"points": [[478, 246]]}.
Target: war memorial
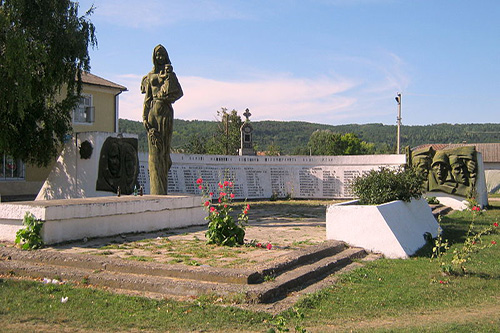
{"points": [[101, 186]]}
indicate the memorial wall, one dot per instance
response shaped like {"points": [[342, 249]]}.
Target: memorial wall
{"points": [[260, 177]]}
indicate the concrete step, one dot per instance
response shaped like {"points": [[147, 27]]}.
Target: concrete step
{"points": [[305, 275], [439, 209], [199, 273], [294, 272]]}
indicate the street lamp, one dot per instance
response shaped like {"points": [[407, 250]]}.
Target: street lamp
{"points": [[398, 100]]}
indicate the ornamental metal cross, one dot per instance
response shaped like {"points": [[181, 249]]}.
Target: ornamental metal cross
{"points": [[247, 114]]}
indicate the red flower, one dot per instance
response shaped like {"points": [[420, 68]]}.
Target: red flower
{"points": [[211, 194], [495, 224], [245, 212], [226, 183], [212, 209], [232, 195], [206, 203], [231, 184], [220, 200], [199, 181], [493, 242], [476, 208], [269, 246], [248, 207], [441, 281], [200, 187], [225, 206], [259, 245], [220, 185]]}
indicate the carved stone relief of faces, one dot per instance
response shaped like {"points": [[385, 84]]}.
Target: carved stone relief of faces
{"points": [[114, 160], [440, 170], [422, 165], [458, 172]]}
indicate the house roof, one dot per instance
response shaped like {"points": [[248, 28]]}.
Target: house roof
{"points": [[95, 80], [490, 151]]}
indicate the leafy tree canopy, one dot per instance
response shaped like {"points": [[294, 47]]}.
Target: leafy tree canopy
{"points": [[43, 49], [226, 139], [292, 136], [325, 142]]}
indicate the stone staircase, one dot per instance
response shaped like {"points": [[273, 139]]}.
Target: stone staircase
{"points": [[268, 283], [439, 209]]}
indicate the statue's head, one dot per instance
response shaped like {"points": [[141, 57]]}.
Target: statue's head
{"points": [[422, 163], [421, 160], [160, 58], [458, 170], [440, 166], [114, 159]]}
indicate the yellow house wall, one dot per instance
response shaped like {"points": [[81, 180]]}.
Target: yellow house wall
{"points": [[104, 102], [103, 99]]}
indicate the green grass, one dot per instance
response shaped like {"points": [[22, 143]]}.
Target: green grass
{"points": [[397, 295]]}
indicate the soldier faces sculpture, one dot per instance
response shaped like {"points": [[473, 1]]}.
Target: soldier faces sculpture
{"points": [[451, 171], [161, 89]]}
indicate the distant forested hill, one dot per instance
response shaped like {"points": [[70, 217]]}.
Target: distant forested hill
{"points": [[292, 136]]}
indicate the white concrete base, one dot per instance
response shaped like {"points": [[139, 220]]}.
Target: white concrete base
{"points": [[73, 219], [453, 201], [395, 229]]}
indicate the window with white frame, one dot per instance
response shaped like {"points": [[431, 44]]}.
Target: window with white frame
{"points": [[11, 169], [84, 111]]}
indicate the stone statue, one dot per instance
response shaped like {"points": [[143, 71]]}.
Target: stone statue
{"points": [[452, 171], [161, 89], [464, 169], [421, 160], [118, 166], [440, 176]]}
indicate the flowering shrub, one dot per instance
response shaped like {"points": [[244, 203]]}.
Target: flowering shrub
{"points": [[223, 229], [472, 244]]}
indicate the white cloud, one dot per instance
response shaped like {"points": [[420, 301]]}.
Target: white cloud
{"points": [[273, 98]]}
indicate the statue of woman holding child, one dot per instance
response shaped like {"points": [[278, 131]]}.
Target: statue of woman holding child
{"points": [[162, 89]]}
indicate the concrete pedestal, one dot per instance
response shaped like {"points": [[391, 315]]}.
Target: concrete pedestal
{"points": [[395, 229], [72, 219]]}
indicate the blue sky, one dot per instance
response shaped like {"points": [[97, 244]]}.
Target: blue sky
{"points": [[323, 61]]}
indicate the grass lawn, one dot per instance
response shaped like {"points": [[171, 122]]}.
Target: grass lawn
{"points": [[399, 295]]}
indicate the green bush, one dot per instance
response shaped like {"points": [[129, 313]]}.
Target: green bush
{"points": [[386, 185], [30, 236]]}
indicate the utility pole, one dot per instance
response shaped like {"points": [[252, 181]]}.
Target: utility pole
{"points": [[226, 116], [398, 100]]}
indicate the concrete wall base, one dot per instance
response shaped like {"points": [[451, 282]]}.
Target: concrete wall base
{"points": [[395, 229], [74, 219]]}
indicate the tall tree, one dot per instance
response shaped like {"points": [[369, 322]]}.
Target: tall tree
{"points": [[43, 51], [227, 138]]}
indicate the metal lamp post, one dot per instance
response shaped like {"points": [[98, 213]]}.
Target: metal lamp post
{"points": [[398, 100]]}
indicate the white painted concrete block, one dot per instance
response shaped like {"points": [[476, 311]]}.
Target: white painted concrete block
{"points": [[395, 229], [72, 219]]}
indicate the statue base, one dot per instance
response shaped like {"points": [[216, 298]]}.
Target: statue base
{"points": [[74, 219]]}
